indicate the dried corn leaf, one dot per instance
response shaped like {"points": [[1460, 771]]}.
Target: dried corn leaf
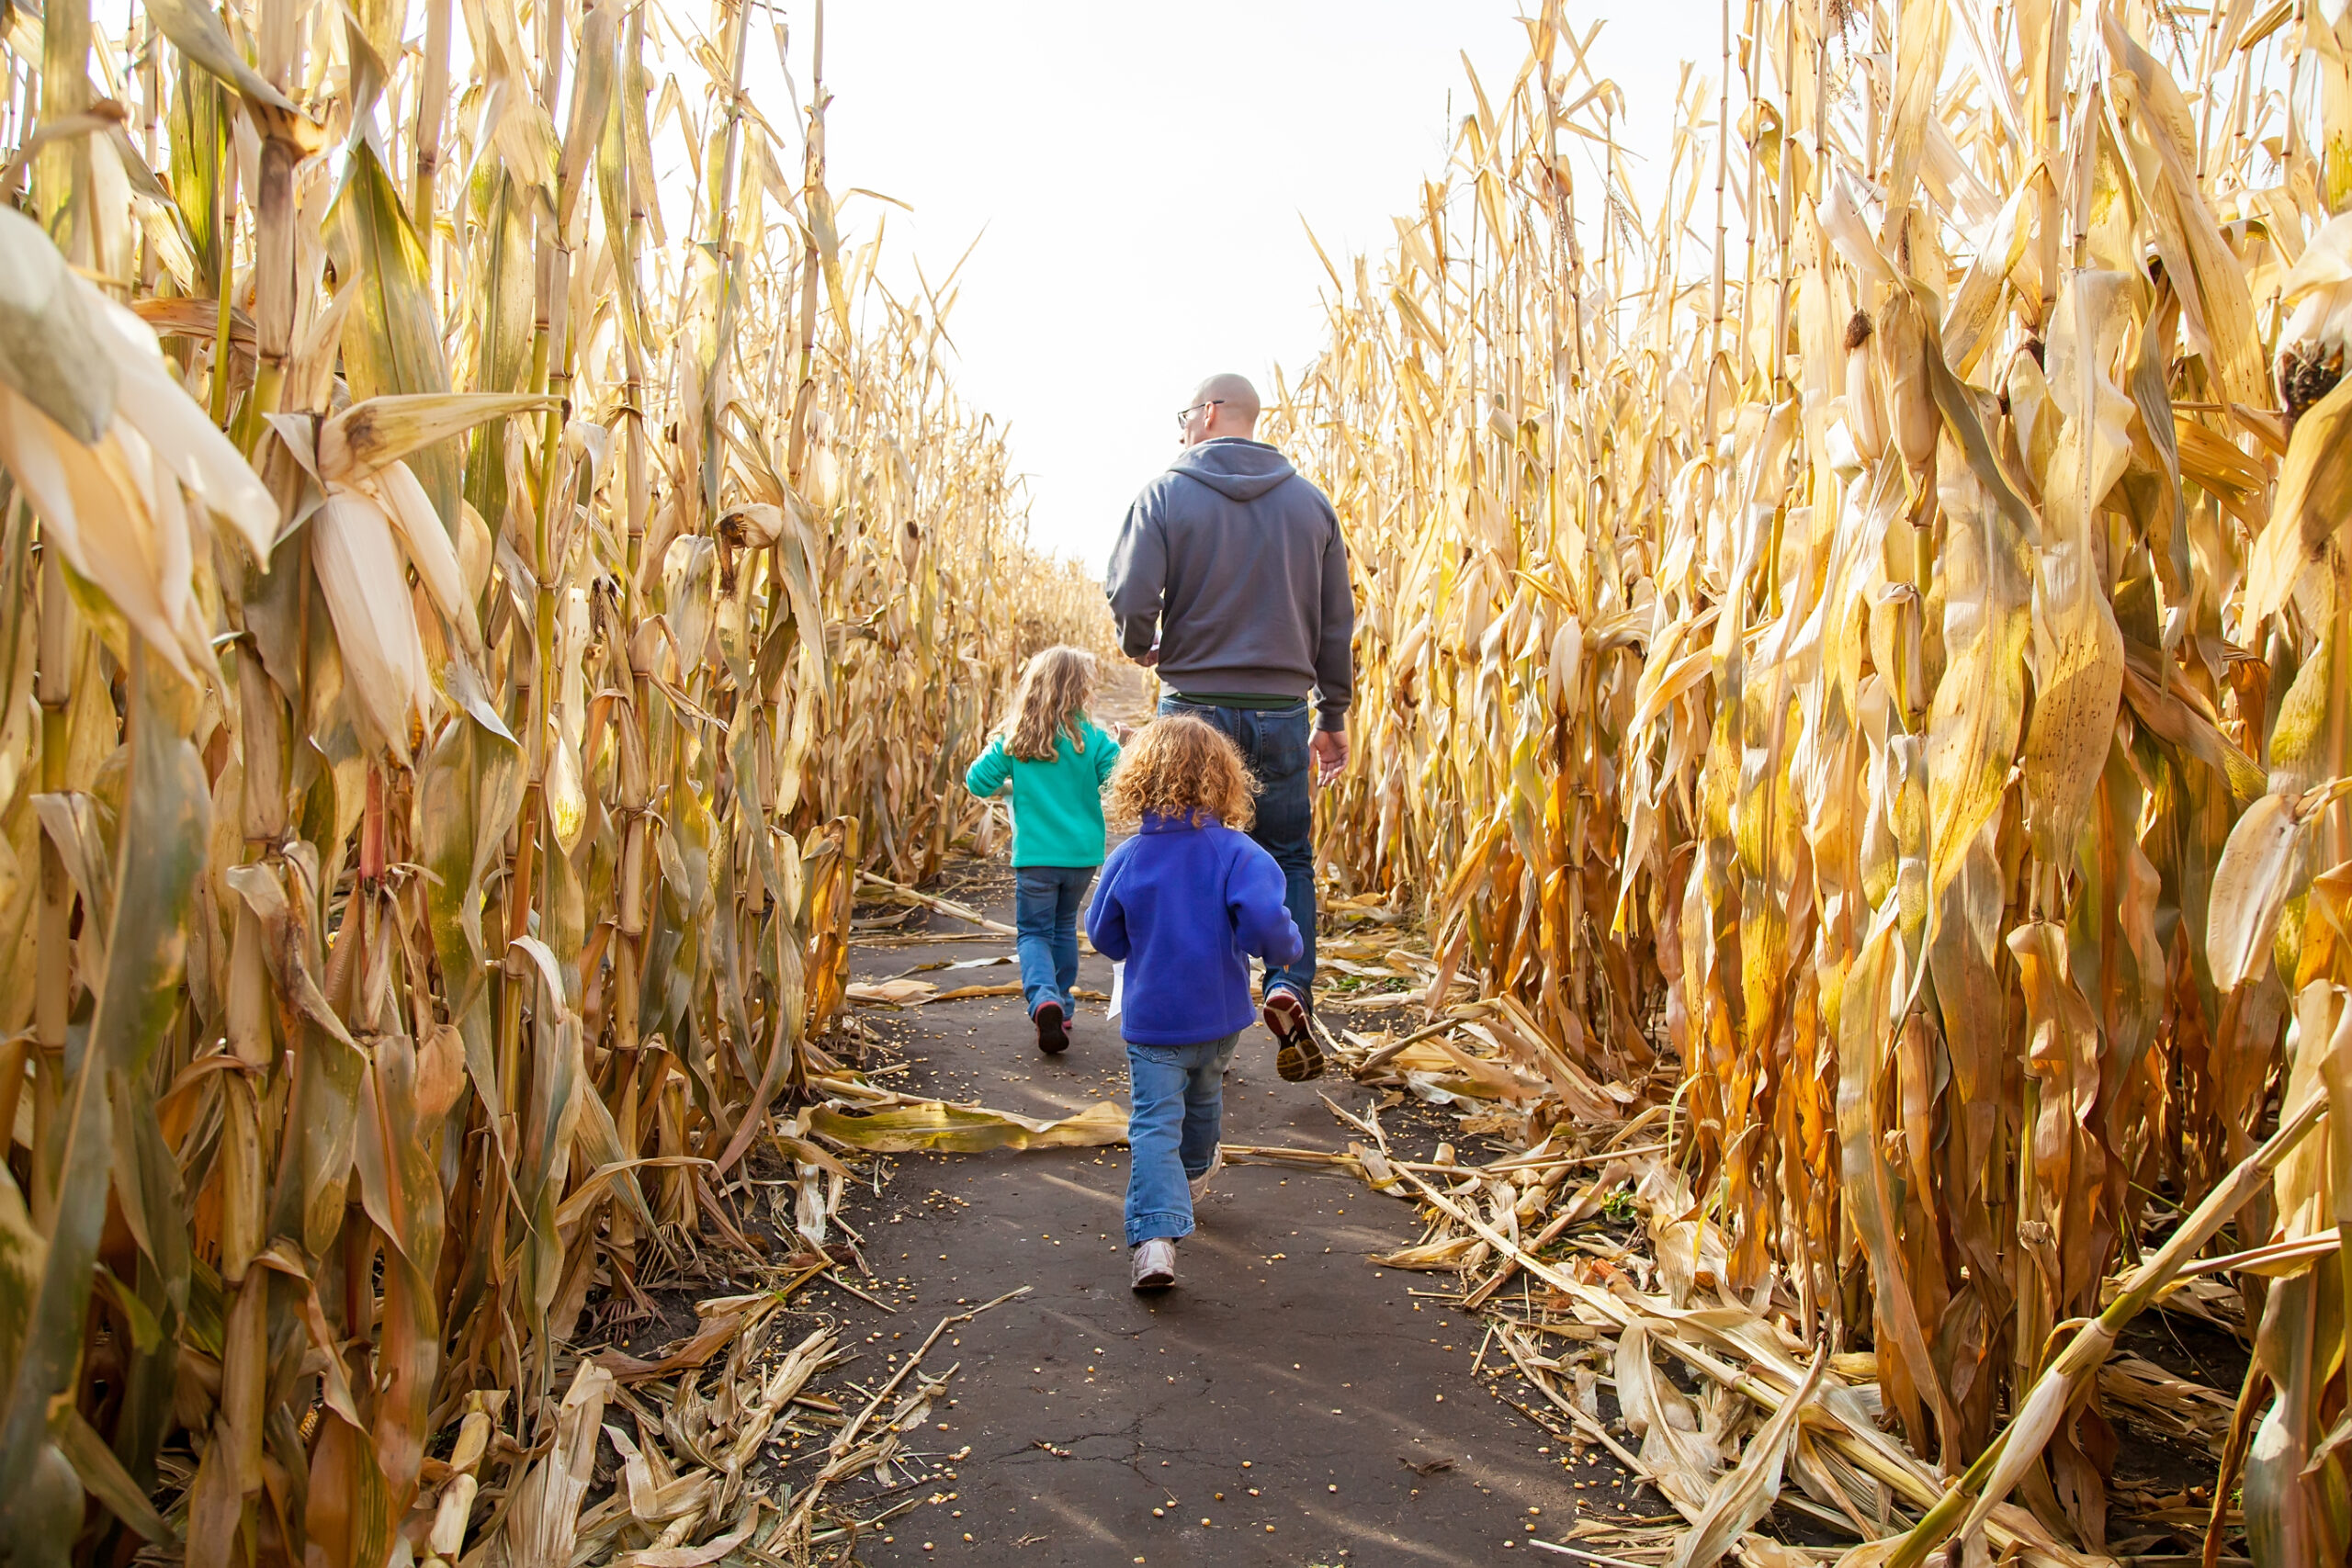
{"points": [[1741, 1499], [937, 1127]]}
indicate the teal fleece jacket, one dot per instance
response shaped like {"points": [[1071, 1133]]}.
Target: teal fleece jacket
{"points": [[1056, 805]]}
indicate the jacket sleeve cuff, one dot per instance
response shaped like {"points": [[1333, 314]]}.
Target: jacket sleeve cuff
{"points": [[1329, 718]]}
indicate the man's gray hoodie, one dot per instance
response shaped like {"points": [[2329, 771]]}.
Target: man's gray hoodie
{"points": [[1236, 559]]}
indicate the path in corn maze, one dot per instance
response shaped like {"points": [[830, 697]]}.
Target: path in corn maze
{"points": [[1287, 1403]]}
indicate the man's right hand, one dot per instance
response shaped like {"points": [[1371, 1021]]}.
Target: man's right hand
{"points": [[1330, 749]]}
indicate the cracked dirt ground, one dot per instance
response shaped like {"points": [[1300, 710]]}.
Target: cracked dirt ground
{"points": [[1271, 1409]]}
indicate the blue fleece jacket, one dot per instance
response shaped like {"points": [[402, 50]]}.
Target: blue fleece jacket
{"points": [[1182, 905]]}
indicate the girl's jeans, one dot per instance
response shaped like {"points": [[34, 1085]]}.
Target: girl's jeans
{"points": [[1177, 1094], [1046, 902]]}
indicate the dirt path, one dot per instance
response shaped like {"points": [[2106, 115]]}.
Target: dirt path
{"points": [[1095, 1426]]}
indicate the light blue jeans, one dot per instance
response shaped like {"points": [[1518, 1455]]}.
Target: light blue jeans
{"points": [[1177, 1093], [1046, 902]]}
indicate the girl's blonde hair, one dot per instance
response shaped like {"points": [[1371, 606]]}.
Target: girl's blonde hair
{"points": [[1050, 702], [1178, 766]]}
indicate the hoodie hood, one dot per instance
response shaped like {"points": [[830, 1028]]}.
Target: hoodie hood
{"points": [[1236, 469]]}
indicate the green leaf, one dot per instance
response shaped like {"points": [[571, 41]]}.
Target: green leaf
{"points": [[468, 789], [198, 126], [161, 851], [503, 221], [592, 99], [392, 340], [49, 348], [161, 843]]}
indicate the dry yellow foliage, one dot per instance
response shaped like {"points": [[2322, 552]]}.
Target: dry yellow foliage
{"points": [[460, 643], [1853, 655]]}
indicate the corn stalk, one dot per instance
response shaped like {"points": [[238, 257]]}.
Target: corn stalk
{"points": [[459, 649], [1883, 697]]}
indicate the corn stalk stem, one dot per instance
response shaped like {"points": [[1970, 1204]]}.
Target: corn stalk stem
{"points": [[432, 98], [1986, 1481], [53, 687]]}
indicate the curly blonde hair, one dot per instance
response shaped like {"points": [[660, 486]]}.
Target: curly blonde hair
{"points": [[1049, 702], [1178, 766]]}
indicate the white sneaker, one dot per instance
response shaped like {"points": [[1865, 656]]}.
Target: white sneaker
{"points": [[1155, 1265], [1200, 1184]]}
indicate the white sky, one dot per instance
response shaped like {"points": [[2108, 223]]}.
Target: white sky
{"points": [[1142, 170]]}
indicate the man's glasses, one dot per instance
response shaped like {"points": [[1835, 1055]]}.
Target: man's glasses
{"points": [[1185, 417]]}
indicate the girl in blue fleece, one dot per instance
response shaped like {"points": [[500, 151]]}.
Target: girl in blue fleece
{"points": [[1183, 905]]}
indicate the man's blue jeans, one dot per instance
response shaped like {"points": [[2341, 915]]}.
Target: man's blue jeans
{"points": [[1177, 1095], [1273, 742], [1046, 902]]}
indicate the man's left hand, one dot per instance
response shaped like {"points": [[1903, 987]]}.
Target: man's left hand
{"points": [[1330, 749]]}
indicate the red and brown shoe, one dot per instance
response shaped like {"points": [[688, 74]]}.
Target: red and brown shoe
{"points": [[1296, 1056], [1053, 1036]]}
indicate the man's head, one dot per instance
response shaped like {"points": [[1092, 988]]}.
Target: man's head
{"points": [[1222, 405]]}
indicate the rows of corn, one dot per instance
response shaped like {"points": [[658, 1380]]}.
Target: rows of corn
{"points": [[1852, 656], [482, 566]]}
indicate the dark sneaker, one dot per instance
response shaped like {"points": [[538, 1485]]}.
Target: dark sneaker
{"points": [[1296, 1056], [1053, 1036]]}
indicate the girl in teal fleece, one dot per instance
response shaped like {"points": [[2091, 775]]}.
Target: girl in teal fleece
{"points": [[1055, 759]]}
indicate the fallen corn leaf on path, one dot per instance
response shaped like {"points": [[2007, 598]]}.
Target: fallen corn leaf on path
{"points": [[1105, 1427]]}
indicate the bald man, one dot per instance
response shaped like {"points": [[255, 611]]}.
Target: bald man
{"points": [[1231, 575]]}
